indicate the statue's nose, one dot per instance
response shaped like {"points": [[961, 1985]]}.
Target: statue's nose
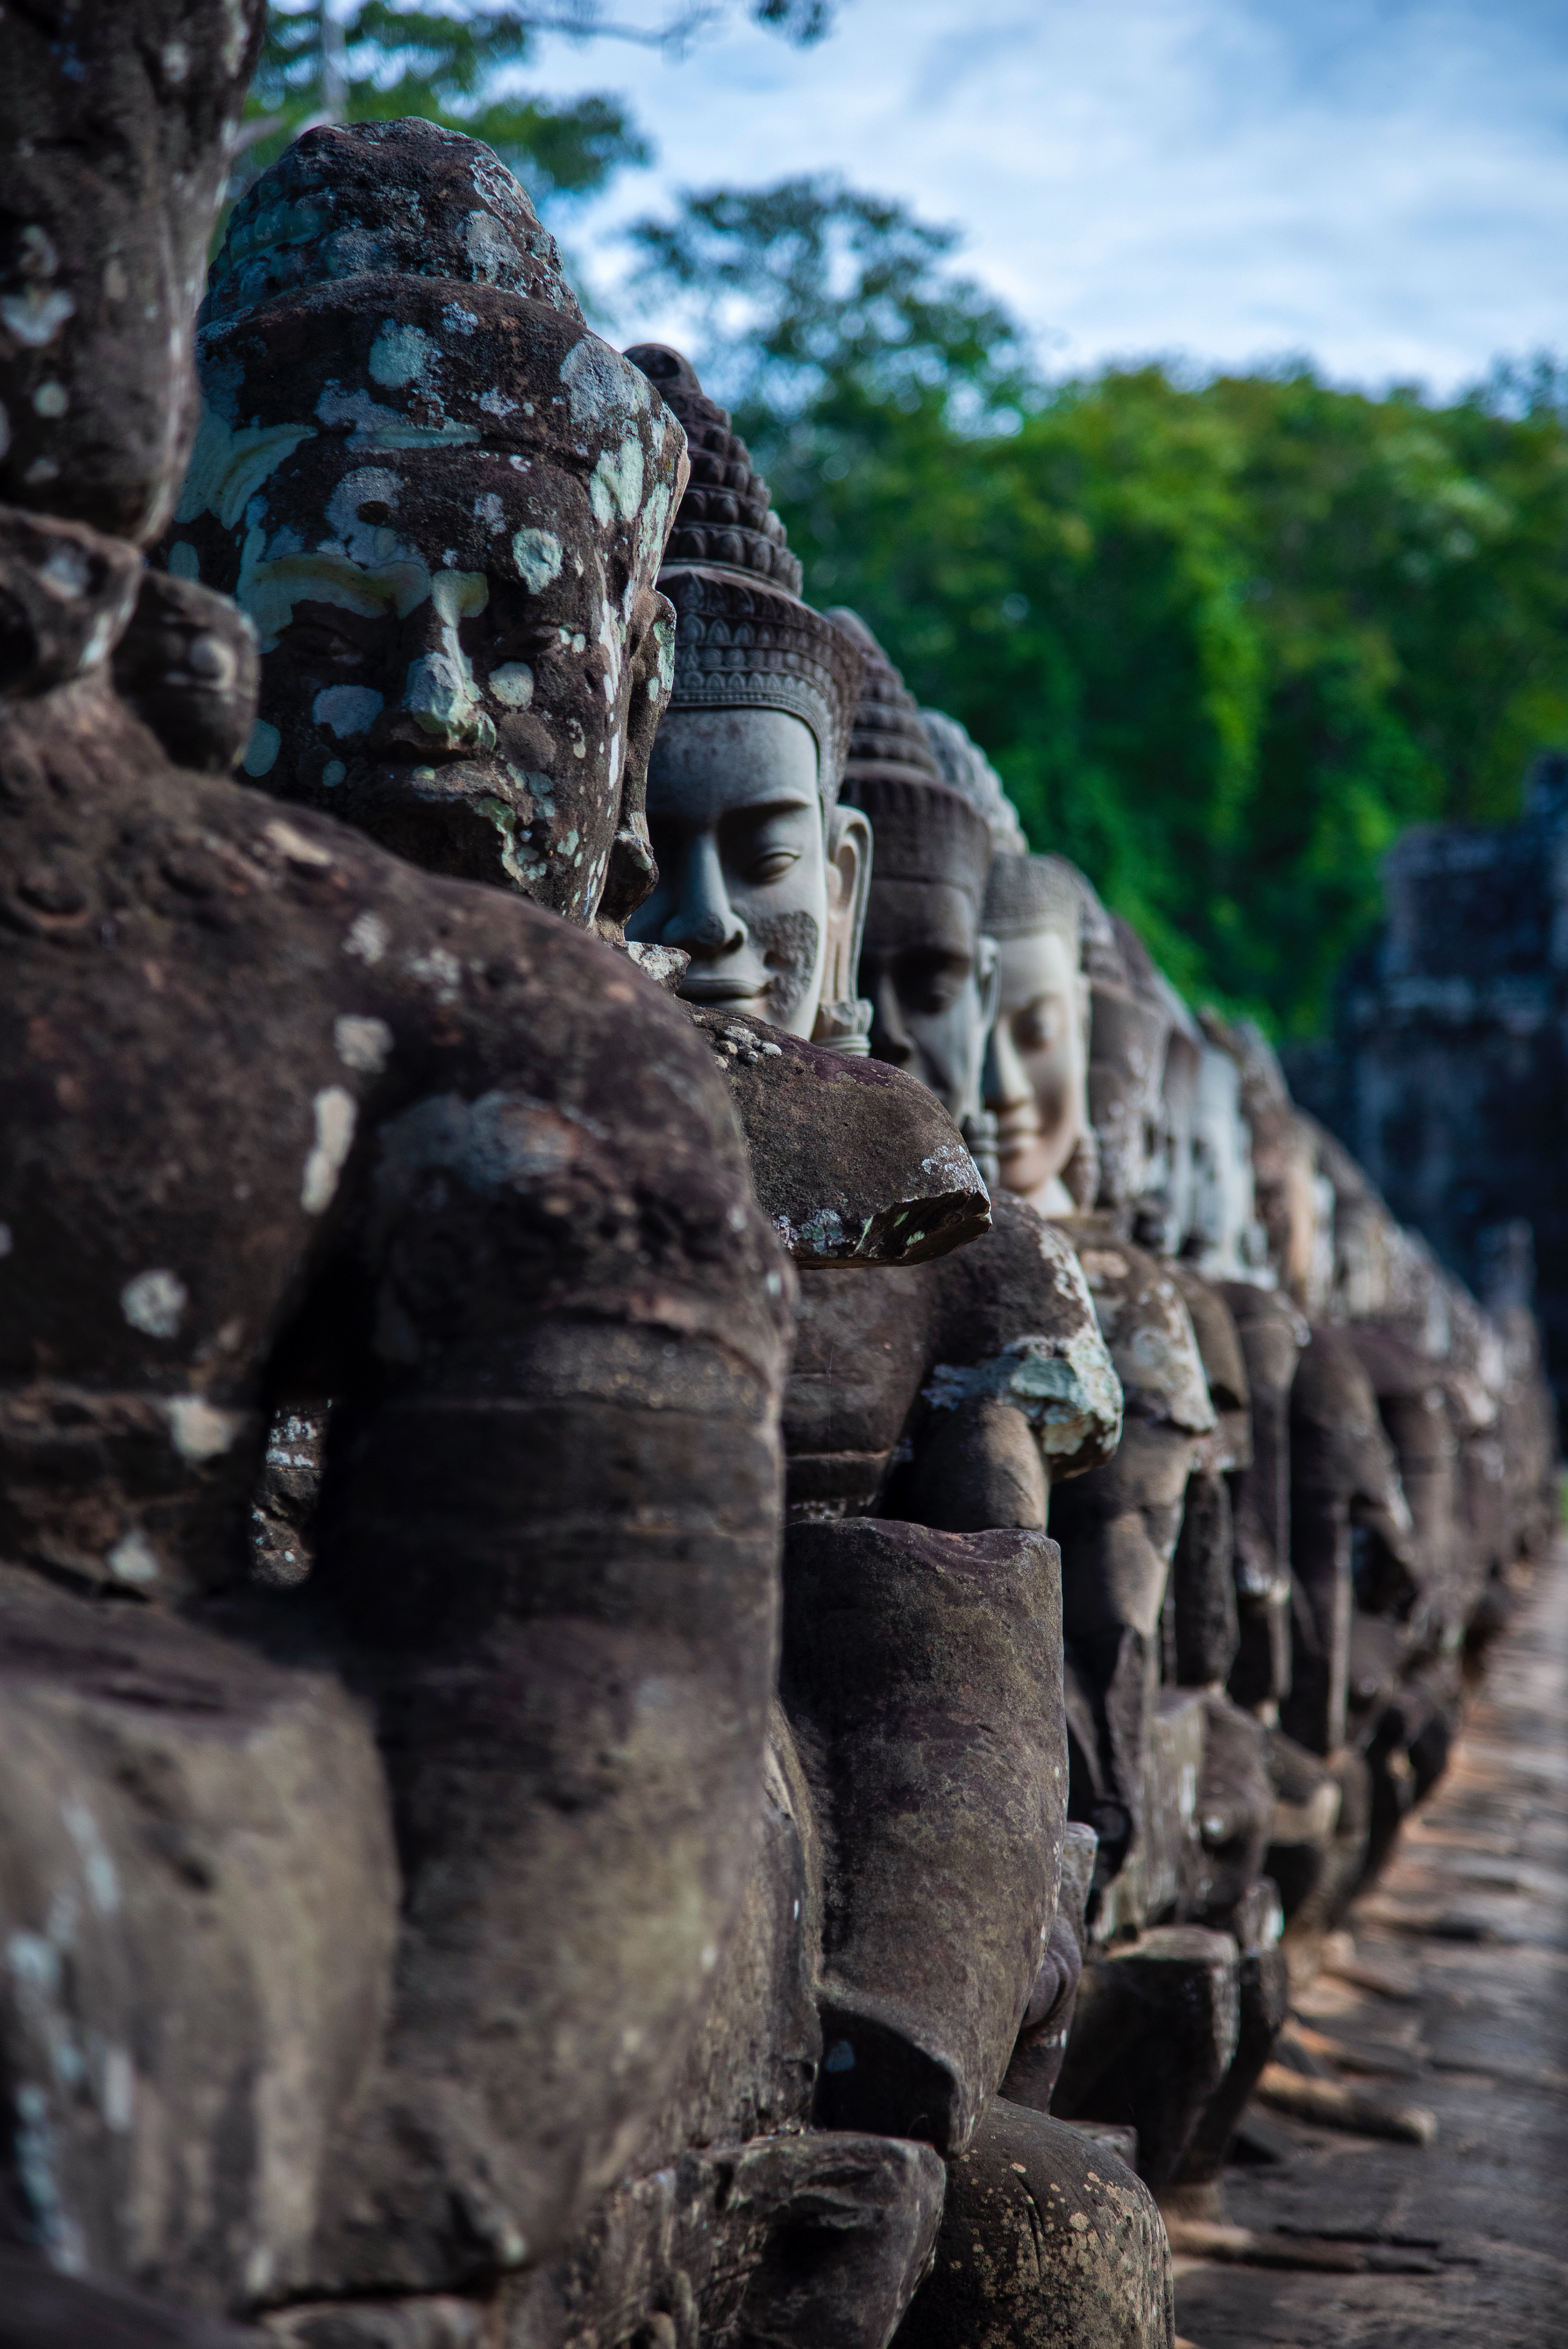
{"points": [[440, 698], [705, 922], [890, 1040]]}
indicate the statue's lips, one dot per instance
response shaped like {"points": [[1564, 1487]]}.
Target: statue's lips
{"points": [[1017, 1130], [696, 990], [416, 782]]}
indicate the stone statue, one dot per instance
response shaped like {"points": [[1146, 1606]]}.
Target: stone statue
{"points": [[444, 504], [1036, 1070], [1148, 1561], [336, 1902], [926, 968], [1225, 1239], [930, 1412], [855, 1168], [436, 670], [762, 874]]}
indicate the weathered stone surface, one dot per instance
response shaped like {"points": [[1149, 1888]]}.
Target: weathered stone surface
{"points": [[1262, 2006], [1272, 1334], [1342, 1469], [198, 1876], [281, 1111], [1233, 1814], [113, 124], [1036, 2058], [443, 502], [1156, 2032], [189, 666], [1119, 1524], [1444, 1073], [133, 1455], [951, 1392], [921, 1670], [1046, 2238], [45, 2310], [733, 2206], [854, 1161], [816, 2237]]}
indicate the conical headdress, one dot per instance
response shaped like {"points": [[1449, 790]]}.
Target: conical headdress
{"points": [[387, 284], [743, 638], [921, 829]]}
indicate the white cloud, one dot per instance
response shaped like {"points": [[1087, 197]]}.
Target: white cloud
{"points": [[1381, 183]]}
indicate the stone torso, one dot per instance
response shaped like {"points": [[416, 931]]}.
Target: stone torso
{"points": [[997, 1340]]}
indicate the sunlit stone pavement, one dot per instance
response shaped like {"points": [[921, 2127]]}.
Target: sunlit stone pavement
{"points": [[1465, 2241]]}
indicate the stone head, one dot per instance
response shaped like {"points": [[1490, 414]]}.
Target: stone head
{"points": [[761, 875], [189, 666], [1129, 1029], [1295, 1199], [925, 966], [115, 130], [442, 501], [1037, 1060], [1225, 1239], [1162, 1220]]}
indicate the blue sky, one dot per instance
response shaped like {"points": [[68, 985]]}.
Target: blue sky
{"points": [[1382, 184]]}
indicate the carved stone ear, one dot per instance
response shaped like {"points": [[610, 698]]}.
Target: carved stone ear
{"points": [[631, 878], [848, 847], [632, 874]]}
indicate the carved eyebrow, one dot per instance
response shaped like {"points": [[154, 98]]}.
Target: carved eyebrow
{"points": [[759, 809]]}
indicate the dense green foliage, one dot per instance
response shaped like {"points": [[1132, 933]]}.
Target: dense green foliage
{"points": [[1223, 638], [374, 60], [387, 60]]}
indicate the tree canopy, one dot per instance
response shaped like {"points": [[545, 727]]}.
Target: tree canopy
{"points": [[374, 60], [1224, 638]]}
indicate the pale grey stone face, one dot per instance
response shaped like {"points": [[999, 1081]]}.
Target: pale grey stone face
{"points": [[736, 824], [1037, 1065], [1224, 1223]]}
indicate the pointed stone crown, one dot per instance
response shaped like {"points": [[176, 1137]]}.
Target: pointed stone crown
{"points": [[889, 742], [921, 829], [725, 521], [402, 199], [744, 638], [1026, 893], [967, 770]]}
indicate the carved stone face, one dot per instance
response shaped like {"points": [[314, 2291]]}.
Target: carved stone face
{"points": [[443, 508], [931, 978], [1164, 1216], [762, 890], [1127, 1056], [1227, 1239], [1036, 1066], [443, 661]]}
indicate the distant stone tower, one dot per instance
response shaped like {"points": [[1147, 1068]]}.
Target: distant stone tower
{"points": [[1446, 1072]]}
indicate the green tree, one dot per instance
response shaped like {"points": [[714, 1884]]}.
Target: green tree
{"points": [[1224, 639], [373, 60]]}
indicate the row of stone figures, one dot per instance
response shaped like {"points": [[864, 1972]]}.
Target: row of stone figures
{"points": [[555, 1790]]}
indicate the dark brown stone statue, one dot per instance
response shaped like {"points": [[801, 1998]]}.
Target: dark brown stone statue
{"points": [[362, 1928], [855, 1165], [443, 505]]}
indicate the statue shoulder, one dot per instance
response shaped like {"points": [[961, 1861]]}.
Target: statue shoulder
{"points": [[1144, 1321], [1015, 1319], [854, 1162]]}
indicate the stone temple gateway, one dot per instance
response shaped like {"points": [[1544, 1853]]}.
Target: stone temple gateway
{"points": [[1446, 1070]]}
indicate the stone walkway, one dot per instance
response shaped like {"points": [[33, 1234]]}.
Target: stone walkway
{"points": [[1465, 2241]]}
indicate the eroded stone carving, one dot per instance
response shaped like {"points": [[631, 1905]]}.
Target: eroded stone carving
{"points": [[762, 874], [444, 504], [337, 1901]]}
